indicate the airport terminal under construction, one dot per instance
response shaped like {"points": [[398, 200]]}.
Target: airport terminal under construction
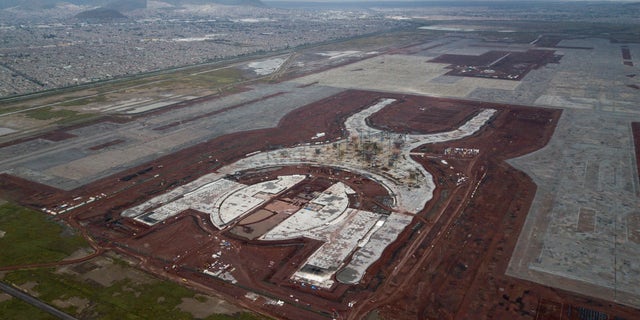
{"points": [[342, 193]]}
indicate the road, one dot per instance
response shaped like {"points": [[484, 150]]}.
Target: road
{"points": [[34, 302], [394, 283]]}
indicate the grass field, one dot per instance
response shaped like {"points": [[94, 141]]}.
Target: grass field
{"points": [[61, 116], [144, 297], [204, 79], [18, 309], [83, 101], [9, 110], [215, 79], [30, 237], [33, 237]]}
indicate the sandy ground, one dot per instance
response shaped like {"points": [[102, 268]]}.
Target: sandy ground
{"points": [[5, 297], [202, 306]]}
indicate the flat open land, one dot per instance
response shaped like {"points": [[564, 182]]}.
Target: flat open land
{"points": [[498, 64], [404, 182]]}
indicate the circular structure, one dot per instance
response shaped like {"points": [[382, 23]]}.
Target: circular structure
{"points": [[319, 205], [276, 208]]}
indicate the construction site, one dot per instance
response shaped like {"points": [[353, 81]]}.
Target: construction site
{"points": [[328, 195]]}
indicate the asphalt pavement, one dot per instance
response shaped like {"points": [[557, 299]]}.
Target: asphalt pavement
{"points": [[35, 302]]}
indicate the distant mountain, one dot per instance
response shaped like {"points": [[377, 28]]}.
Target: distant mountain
{"points": [[29, 4], [122, 5], [101, 14], [252, 3], [126, 5], [45, 4]]}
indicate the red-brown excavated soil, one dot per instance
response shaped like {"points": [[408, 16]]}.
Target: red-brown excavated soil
{"points": [[416, 115], [626, 53], [448, 264], [551, 41], [498, 64], [635, 126]]}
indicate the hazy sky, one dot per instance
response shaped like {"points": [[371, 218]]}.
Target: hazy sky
{"points": [[454, 0]]}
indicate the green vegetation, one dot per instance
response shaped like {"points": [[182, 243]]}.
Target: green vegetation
{"points": [[216, 78], [124, 84], [83, 101], [124, 299], [207, 79], [380, 40], [48, 113], [170, 79], [9, 110], [241, 316], [63, 116], [18, 309], [33, 237]]}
